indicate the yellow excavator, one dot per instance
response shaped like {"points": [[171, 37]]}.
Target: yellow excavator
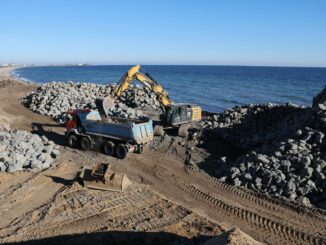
{"points": [[175, 115]]}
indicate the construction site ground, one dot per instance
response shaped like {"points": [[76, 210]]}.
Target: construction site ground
{"points": [[168, 201]]}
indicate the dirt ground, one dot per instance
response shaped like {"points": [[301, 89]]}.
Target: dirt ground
{"points": [[168, 201]]}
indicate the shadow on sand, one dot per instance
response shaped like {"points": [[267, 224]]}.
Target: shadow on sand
{"points": [[57, 138], [117, 237]]}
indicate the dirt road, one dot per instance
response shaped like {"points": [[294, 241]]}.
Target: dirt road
{"points": [[176, 202]]}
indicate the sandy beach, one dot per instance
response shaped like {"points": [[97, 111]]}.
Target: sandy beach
{"points": [[5, 72]]}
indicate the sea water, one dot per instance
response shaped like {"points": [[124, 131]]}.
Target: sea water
{"points": [[215, 88]]}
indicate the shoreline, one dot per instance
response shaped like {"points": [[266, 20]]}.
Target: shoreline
{"points": [[6, 73]]}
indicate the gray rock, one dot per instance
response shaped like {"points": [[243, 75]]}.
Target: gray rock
{"points": [[258, 182], [248, 176], [305, 161], [311, 184], [223, 179], [235, 172], [237, 182], [291, 187], [319, 137], [242, 167], [304, 201], [307, 172], [262, 158], [286, 164], [299, 132], [222, 161]]}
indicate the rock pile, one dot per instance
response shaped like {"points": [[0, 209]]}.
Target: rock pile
{"points": [[55, 98], [252, 126], [295, 169], [285, 148], [319, 108], [22, 150]]}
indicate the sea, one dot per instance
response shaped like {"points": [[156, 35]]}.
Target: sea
{"points": [[215, 88]]}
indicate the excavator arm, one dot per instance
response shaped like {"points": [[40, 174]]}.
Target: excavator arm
{"points": [[144, 78], [161, 93], [126, 80]]}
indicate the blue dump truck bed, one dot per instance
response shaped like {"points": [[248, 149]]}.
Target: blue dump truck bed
{"points": [[132, 131]]}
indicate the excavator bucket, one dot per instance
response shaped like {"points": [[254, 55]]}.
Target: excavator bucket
{"points": [[101, 177], [104, 104]]}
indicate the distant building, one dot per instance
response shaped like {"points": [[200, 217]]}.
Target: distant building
{"points": [[11, 65]]}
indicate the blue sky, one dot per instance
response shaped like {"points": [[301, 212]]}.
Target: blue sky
{"points": [[229, 32]]}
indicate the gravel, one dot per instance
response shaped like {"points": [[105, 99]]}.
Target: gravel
{"points": [[22, 150], [55, 98]]}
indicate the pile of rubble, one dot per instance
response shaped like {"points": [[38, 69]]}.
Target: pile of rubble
{"points": [[319, 108], [252, 126], [295, 169], [55, 98], [284, 145], [22, 150]]}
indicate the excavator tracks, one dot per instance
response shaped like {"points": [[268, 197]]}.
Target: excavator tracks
{"points": [[138, 209], [257, 197], [270, 220]]}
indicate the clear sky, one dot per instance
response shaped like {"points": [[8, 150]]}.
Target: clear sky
{"points": [[229, 32]]}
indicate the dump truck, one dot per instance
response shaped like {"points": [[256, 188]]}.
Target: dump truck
{"points": [[86, 129]]}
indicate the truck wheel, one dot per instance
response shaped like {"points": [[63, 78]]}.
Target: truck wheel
{"points": [[121, 151], [140, 149], [158, 130], [85, 144], [108, 148], [73, 141]]}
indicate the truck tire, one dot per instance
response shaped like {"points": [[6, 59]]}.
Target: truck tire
{"points": [[121, 151], [85, 144], [73, 141], [158, 130], [108, 148], [140, 149]]}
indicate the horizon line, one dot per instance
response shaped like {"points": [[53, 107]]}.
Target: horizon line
{"points": [[92, 64]]}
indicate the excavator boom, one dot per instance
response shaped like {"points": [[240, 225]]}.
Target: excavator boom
{"points": [[125, 81], [147, 81]]}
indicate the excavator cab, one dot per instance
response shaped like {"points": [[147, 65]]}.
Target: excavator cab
{"points": [[177, 114]]}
